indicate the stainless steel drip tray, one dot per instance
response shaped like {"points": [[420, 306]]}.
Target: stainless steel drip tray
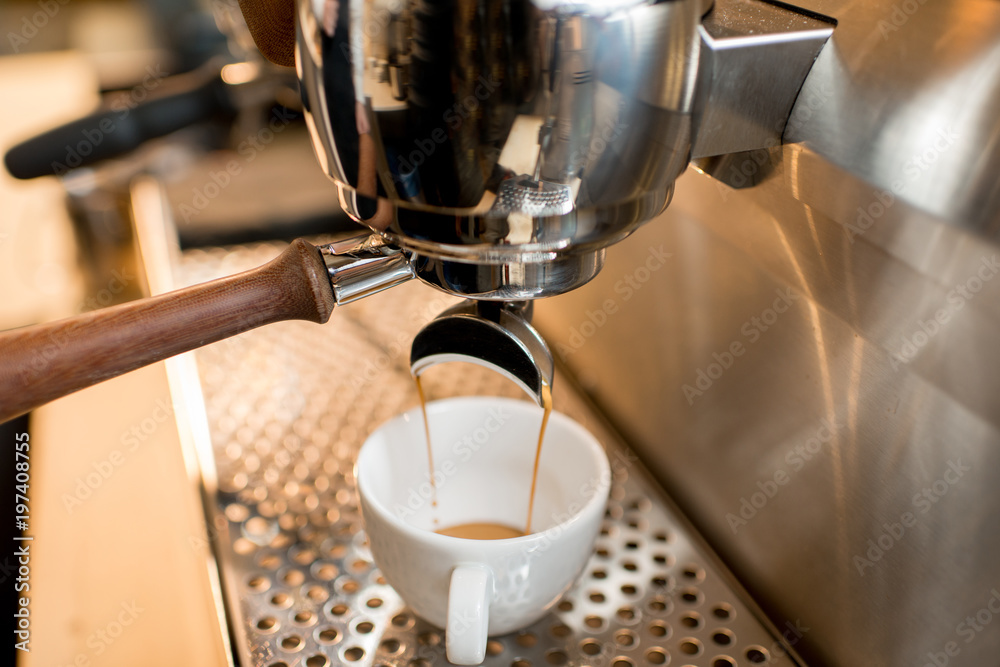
{"points": [[288, 406]]}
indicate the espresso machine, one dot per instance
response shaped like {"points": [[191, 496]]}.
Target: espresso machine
{"points": [[796, 347]]}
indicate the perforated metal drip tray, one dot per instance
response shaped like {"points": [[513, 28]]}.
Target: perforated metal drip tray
{"points": [[289, 405]]}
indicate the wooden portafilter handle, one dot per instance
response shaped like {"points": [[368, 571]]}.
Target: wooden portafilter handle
{"points": [[44, 362]]}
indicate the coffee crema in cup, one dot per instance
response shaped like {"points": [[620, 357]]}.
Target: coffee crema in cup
{"points": [[481, 531], [487, 530]]}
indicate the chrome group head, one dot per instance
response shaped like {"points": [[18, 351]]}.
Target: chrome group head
{"points": [[501, 144]]}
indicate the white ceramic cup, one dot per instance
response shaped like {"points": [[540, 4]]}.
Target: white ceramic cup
{"points": [[484, 450]]}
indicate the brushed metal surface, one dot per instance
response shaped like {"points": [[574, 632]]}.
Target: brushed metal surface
{"points": [[289, 405], [754, 58], [812, 372], [911, 96], [501, 339], [822, 400]]}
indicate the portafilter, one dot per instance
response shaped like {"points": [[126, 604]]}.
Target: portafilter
{"points": [[493, 149]]}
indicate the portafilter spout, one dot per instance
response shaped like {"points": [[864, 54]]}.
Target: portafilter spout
{"points": [[493, 334]]}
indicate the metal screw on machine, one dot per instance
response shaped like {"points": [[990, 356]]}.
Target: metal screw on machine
{"points": [[491, 334]]}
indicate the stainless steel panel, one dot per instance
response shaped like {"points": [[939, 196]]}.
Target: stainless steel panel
{"points": [[789, 383], [909, 100], [288, 406], [812, 372], [754, 58]]}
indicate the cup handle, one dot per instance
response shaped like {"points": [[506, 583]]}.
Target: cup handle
{"points": [[468, 614]]}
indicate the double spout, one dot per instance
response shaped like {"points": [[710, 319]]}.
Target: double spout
{"points": [[497, 335], [494, 334]]}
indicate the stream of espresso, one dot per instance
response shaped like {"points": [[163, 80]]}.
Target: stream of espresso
{"points": [[430, 452], [547, 407], [488, 531]]}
